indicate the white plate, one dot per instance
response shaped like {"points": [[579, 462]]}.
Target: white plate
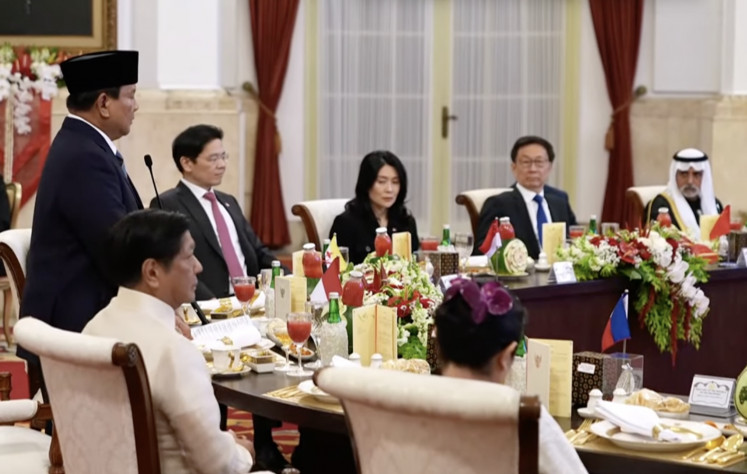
{"points": [[308, 387], [585, 412], [673, 415], [642, 443], [264, 343], [227, 374]]}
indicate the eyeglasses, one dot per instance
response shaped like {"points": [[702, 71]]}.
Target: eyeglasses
{"points": [[538, 163], [212, 159]]}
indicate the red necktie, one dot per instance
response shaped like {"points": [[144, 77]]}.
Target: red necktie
{"points": [[229, 253]]}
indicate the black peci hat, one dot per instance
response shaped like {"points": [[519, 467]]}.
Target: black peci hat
{"points": [[100, 70]]}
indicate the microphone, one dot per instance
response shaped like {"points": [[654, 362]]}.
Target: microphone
{"points": [[149, 164], [199, 312]]}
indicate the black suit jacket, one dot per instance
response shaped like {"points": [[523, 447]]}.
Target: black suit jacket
{"points": [[82, 193], [512, 205], [213, 281]]}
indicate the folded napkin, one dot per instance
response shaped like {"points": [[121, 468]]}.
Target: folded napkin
{"points": [[211, 305], [636, 420], [477, 261]]}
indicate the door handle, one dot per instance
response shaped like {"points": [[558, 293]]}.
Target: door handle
{"points": [[445, 117]]}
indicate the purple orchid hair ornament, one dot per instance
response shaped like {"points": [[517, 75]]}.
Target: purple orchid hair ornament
{"points": [[491, 299]]}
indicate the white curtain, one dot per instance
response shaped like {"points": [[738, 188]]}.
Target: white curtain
{"points": [[507, 77], [374, 93]]}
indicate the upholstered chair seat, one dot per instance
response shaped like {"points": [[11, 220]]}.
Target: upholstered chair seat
{"points": [[636, 198], [473, 201]]}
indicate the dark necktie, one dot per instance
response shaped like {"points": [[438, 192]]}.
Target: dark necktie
{"points": [[128, 180], [229, 253], [541, 216]]}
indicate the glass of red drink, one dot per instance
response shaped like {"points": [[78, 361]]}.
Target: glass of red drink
{"points": [[299, 330], [736, 224], [576, 231], [429, 243], [244, 288]]}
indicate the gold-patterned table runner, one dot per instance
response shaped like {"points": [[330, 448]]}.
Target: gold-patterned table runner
{"points": [[293, 395], [603, 446]]}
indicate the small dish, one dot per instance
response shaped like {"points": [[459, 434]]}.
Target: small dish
{"points": [[514, 277], [308, 387], [264, 343], [542, 268], [229, 373], [673, 415]]}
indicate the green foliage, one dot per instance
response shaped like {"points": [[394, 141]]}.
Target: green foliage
{"points": [[412, 349]]}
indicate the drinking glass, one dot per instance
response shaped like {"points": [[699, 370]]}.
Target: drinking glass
{"points": [[576, 231], [608, 229], [317, 318], [345, 252], [244, 288], [464, 243], [299, 329], [281, 334]]}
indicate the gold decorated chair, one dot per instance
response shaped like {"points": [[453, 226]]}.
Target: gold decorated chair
{"points": [[318, 216], [402, 423], [636, 199], [99, 392], [473, 201]]}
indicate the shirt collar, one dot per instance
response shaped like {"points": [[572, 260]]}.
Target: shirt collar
{"points": [[528, 194], [106, 137], [198, 191], [145, 304]]}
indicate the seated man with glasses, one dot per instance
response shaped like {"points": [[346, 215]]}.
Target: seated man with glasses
{"points": [[531, 202], [225, 243]]}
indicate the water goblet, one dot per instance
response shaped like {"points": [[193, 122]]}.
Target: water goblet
{"points": [[244, 289], [281, 335], [317, 318], [299, 330], [464, 243]]}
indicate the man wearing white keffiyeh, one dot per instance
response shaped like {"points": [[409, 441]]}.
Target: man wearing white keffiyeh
{"points": [[689, 192]]}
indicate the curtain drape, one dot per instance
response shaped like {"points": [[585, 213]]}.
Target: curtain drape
{"points": [[617, 26], [272, 30]]}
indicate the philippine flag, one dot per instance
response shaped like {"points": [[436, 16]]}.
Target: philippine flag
{"points": [[617, 326]]}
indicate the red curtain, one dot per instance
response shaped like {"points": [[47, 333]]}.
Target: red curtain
{"points": [[617, 25], [272, 29], [30, 150]]}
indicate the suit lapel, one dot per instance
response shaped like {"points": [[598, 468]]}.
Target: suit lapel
{"points": [[557, 208], [190, 203], [523, 221]]}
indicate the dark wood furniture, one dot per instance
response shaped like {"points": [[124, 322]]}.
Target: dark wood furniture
{"points": [[14, 192]]}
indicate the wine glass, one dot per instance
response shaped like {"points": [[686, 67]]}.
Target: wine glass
{"points": [[243, 287], [281, 334], [464, 243], [299, 329], [317, 318]]}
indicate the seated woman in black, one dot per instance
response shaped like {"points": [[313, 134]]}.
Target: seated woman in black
{"points": [[478, 330], [379, 202]]}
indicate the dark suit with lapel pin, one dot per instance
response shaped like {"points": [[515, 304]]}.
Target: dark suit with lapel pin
{"points": [[511, 204], [213, 281], [83, 191]]}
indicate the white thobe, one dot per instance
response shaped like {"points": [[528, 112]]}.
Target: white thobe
{"points": [[186, 411], [556, 455]]}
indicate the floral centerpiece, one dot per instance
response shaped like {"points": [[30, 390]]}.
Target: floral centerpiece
{"points": [[24, 73], [664, 266], [398, 283]]}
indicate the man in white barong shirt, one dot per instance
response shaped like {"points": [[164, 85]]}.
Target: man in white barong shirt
{"points": [[689, 192], [152, 260]]}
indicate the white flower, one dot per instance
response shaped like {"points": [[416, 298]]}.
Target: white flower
{"points": [[677, 269]]}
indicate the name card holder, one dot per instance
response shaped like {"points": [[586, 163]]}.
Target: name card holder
{"points": [[712, 396], [562, 272]]}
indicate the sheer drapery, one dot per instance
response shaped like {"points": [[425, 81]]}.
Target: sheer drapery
{"points": [[617, 26], [374, 93], [272, 29], [507, 79]]}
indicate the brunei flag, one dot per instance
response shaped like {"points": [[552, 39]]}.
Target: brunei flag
{"points": [[328, 283], [333, 252], [617, 326]]}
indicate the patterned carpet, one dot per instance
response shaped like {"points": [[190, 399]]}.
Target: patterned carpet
{"points": [[286, 436]]}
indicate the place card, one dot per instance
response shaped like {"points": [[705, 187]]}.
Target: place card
{"points": [[553, 237], [402, 245], [375, 331], [290, 295], [711, 395], [562, 272], [742, 259], [706, 225], [298, 263], [549, 373]]}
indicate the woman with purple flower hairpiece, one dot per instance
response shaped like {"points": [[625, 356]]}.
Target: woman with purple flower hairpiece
{"points": [[478, 330]]}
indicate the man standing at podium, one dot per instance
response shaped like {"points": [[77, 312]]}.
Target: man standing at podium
{"points": [[84, 190]]}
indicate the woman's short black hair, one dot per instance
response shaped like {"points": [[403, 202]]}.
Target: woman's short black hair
{"points": [[465, 342], [149, 233], [367, 174]]}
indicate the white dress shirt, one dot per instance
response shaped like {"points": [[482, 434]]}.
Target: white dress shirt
{"points": [[186, 411], [556, 455], [199, 193], [532, 206]]}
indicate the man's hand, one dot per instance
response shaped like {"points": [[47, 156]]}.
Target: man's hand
{"points": [[181, 326]]}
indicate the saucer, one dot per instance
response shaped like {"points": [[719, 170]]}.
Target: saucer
{"points": [[229, 373], [586, 412], [542, 268]]}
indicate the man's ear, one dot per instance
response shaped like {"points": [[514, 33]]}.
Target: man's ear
{"points": [[186, 163], [149, 273], [103, 102]]}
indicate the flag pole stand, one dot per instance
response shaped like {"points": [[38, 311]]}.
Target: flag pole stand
{"points": [[625, 346]]}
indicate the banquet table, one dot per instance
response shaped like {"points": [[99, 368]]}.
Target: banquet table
{"points": [[579, 312], [248, 393]]}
